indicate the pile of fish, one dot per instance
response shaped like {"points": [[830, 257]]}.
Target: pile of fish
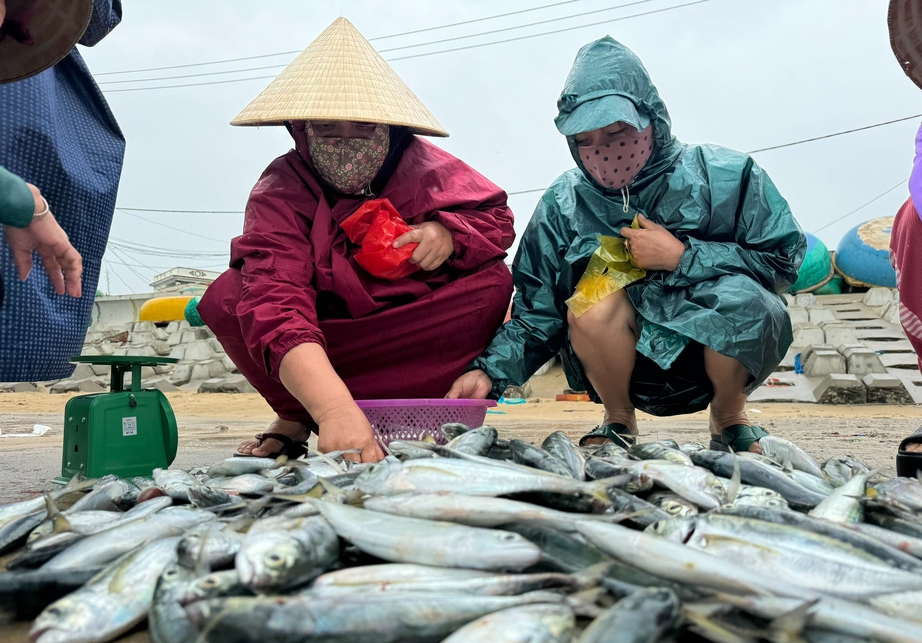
{"points": [[479, 540]]}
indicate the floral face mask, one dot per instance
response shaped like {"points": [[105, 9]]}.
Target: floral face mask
{"points": [[349, 164], [615, 164]]}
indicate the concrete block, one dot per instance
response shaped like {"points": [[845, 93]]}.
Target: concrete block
{"points": [[160, 333], [809, 350], [838, 333], [121, 350], [100, 370], [78, 386], [824, 362], [175, 338], [144, 326], [107, 349], [178, 352], [172, 327], [92, 350], [806, 334], [191, 386], [161, 347], [884, 388], [845, 348], [200, 372], [181, 374], [820, 314], [798, 315], [199, 350], [213, 385], [193, 334], [18, 387], [877, 297], [184, 325], [215, 367], [82, 372], [806, 299], [216, 345], [145, 351], [892, 313], [229, 364], [789, 299], [141, 338], [863, 362], [905, 361], [162, 385], [841, 389], [237, 384]]}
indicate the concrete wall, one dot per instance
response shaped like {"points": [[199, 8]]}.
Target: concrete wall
{"points": [[119, 310]]}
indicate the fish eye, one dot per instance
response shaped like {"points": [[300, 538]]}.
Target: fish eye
{"points": [[509, 537], [209, 581], [53, 611]]}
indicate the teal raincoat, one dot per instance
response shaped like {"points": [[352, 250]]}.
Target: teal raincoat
{"points": [[743, 250]]}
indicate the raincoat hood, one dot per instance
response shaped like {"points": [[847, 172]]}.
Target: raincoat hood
{"points": [[607, 84]]}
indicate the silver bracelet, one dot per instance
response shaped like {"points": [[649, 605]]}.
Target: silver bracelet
{"points": [[44, 213]]}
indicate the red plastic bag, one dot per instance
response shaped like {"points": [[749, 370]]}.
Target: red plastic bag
{"points": [[376, 225]]}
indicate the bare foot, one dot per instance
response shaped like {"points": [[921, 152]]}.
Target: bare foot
{"points": [[914, 447], [297, 431]]}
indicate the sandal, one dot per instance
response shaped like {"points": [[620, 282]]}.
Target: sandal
{"points": [[290, 448], [620, 434], [738, 437], [908, 463]]}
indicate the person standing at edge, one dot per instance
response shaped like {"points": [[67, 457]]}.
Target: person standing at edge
{"points": [[716, 241], [57, 133], [310, 327]]}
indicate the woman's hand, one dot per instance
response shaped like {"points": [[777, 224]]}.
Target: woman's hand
{"points": [[473, 385], [45, 236], [349, 430], [435, 244], [653, 246]]}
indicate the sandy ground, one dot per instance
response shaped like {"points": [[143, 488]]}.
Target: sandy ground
{"points": [[212, 425]]}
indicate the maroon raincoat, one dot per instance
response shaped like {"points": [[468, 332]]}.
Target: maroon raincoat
{"points": [[293, 279]]}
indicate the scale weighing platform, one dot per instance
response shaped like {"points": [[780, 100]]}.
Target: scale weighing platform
{"points": [[123, 432]]}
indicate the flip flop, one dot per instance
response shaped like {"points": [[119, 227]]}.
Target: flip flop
{"points": [[739, 437], [908, 464], [620, 434], [292, 449]]}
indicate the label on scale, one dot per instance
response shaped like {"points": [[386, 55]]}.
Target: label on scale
{"points": [[129, 426]]}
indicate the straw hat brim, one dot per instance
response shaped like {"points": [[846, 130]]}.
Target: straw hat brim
{"points": [[340, 77], [904, 19]]}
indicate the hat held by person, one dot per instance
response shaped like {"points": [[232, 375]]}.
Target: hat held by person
{"points": [[340, 77], [904, 20], [37, 34]]}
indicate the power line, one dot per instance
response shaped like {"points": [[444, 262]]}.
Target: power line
{"points": [[441, 51], [421, 44], [118, 276], [849, 131], [288, 53], [163, 225], [861, 207]]}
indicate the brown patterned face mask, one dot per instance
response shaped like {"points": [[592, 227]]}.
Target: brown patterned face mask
{"points": [[348, 164]]}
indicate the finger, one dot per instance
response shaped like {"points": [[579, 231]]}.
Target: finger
{"points": [[629, 233], [53, 270], [419, 255], [431, 261], [72, 264], [23, 261], [413, 236], [483, 388], [372, 453], [646, 224], [456, 389]]}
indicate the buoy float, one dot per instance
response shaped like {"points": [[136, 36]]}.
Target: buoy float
{"points": [[863, 256], [164, 309]]}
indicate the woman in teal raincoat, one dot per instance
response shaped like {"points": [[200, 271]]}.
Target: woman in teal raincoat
{"points": [[712, 247]]}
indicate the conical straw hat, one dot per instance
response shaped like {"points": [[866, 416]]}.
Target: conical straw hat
{"points": [[340, 77], [905, 22], [46, 32]]}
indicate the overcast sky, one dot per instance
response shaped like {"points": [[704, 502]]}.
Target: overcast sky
{"points": [[745, 74]]}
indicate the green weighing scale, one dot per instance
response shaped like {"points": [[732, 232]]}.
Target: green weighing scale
{"points": [[123, 432]]}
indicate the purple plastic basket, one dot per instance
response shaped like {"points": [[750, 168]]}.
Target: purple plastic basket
{"points": [[414, 419]]}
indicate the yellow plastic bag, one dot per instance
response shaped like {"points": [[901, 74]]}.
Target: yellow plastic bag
{"points": [[610, 269]]}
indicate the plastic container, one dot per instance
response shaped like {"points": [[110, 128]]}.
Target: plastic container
{"points": [[414, 419]]}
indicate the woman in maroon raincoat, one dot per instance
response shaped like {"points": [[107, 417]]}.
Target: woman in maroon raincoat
{"points": [[310, 328]]}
